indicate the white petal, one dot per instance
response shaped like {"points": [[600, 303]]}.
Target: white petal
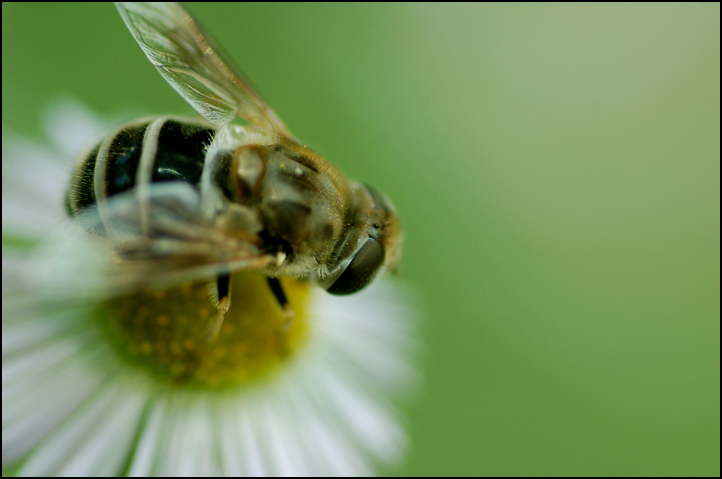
{"points": [[25, 368], [255, 435], [36, 403], [146, 451], [17, 336], [12, 270], [239, 444], [331, 453], [227, 423], [103, 452], [367, 421], [372, 336], [34, 184], [283, 445], [197, 441], [73, 128], [168, 444], [90, 422]]}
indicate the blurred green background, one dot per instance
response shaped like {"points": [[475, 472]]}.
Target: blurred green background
{"points": [[556, 168]]}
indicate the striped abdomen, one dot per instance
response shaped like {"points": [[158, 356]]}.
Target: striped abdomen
{"points": [[176, 150]]}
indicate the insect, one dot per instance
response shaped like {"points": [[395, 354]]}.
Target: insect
{"points": [[205, 197]]}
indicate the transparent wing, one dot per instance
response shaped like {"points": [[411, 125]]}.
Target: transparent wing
{"points": [[161, 238], [189, 60]]}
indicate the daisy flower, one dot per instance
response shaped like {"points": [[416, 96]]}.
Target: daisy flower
{"points": [[95, 383]]}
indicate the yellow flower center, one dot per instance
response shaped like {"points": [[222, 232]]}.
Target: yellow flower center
{"points": [[166, 331]]}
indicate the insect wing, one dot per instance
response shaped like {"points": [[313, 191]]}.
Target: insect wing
{"points": [[161, 237], [72, 270], [188, 59]]}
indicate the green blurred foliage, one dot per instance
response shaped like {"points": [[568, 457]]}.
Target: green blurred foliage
{"points": [[557, 172]]}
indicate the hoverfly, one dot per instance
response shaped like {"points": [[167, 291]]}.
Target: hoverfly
{"points": [[205, 197]]}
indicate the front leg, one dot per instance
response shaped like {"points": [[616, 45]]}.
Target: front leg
{"points": [[277, 290], [223, 288]]}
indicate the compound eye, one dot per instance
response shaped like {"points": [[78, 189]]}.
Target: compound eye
{"points": [[361, 270]]}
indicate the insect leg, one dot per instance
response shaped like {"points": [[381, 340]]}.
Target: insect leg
{"points": [[277, 290], [223, 284]]}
